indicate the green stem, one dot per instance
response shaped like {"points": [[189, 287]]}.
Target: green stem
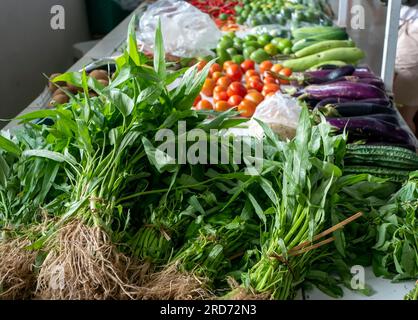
{"points": [[165, 190]]}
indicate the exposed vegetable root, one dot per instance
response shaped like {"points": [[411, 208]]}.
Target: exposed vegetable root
{"points": [[240, 293], [172, 284], [83, 264], [17, 279]]}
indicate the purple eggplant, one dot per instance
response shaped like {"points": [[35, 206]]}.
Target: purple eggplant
{"points": [[345, 90], [325, 76], [372, 81], [354, 109], [369, 128], [332, 101], [363, 69], [365, 75], [382, 102]]}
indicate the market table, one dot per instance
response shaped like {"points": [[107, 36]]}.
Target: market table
{"points": [[110, 46]]}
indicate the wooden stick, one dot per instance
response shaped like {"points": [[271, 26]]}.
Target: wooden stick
{"points": [[340, 225], [304, 250], [312, 247]]}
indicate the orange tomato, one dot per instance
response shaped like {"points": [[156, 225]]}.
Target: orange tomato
{"points": [[201, 65], [236, 88], [266, 66], [208, 87], [287, 72], [250, 73], [255, 97], [247, 108], [268, 95], [234, 72], [276, 68], [269, 79], [221, 106], [214, 68], [270, 88], [234, 100], [216, 75], [223, 81], [197, 100], [248, 65], [219, 89], [218, 96], [227, 64], [204, 105]]}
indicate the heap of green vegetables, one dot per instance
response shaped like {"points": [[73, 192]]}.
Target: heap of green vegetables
{"points": [[89, 198]]}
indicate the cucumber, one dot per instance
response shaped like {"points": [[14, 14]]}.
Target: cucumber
{"points": [[388, 151], [390, 174], [323, 46], [349, 55], [302, 44], [381, 161], [335, 35], [307, 32]]}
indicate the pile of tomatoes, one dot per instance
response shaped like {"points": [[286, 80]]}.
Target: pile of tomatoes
{"points": [[241, 86]]}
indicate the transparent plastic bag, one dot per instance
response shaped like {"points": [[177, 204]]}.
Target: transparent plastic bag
{"points": [[280, 112], [187, 31]]}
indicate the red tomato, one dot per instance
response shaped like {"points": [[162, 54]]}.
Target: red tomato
{"points": [[214, 68], [251, 73], [256, 84], [266, 66], [197, 100], [223, 81], [208, 87], [234, 72], [248, 65], [218, 96], [270, 88], [201, 65], [287, 72], [227, 64], [204, 105], [276, 68], [221, 106], [255, 97], [234, 100], [269, 79], [247, 108], [236, 88], [219, 89], [216, 75]]}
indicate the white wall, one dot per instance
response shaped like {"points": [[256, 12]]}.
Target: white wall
{"points": [[370, 39], [29, 47]]}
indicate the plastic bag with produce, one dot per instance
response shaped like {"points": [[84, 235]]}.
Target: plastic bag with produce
{"points": [[187, 31], [280, 112]]}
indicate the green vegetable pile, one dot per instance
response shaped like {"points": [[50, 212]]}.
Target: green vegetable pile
{"points": [[318, 45], [90, 200], [258, 48], [282, 12]]}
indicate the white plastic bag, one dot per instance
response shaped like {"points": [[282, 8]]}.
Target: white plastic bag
{"points": [[280, 112], [187, 31]]}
